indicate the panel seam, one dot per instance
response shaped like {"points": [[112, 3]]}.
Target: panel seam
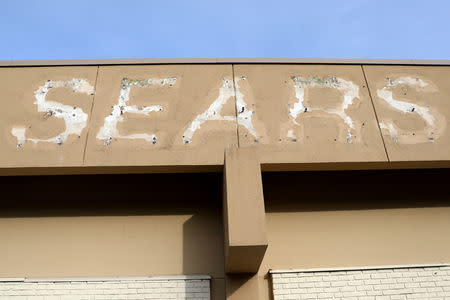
{"points": [[375, 112], [90, 116], [235, 105]]}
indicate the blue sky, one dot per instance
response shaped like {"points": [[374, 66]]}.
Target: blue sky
{"points": [[63, 29]]}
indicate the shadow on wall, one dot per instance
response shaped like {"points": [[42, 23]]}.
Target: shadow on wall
{"points": [[195, 198], [109, 195], [355, 190]]}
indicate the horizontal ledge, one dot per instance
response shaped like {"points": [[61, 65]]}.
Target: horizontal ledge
{"points": [[358, 268], [159, 61], [107, 279], [12, 279], [108, 169], [275, 166], [217, 168]]}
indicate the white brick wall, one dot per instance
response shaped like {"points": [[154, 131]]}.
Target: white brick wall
{"points": [[379, 283], [181, 287]]}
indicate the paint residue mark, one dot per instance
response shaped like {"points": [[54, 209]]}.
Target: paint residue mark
{"points": [[350, 90], [432, 130], [75, 118], [213, 112], [108, 132]]}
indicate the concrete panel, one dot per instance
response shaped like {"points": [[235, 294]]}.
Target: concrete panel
{"points": [[413, 109], [307, 113], [162, 115], [44, 116], [243, 213]]}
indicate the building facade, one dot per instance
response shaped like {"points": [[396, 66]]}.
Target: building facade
{"points": [[225, 179]]}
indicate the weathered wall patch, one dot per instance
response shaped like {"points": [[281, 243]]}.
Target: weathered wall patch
{"points": [[315, 113], [74, 117], [435, 122], [309, 113], [228, 92], [348, 88], [167, 114], [413, 109], [109, 130]]}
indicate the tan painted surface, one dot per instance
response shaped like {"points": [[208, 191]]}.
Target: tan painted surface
{"points": [[243, 213], [218, 289], [112, 226], [350, 219], [18, 87], [355, 219], [373, 237], [105, 246], [319, 136], [242, 287], [356, 238], [195, 89], [415, 139], [171, 224]]}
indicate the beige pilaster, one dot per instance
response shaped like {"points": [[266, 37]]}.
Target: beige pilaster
{"points": [[244, 214]]}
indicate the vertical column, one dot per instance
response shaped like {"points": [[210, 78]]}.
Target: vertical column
{"points": [[242, 287], [244, 214]]}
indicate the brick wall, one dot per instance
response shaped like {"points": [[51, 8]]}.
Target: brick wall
{"points": [[177, 287], [412, 282]]}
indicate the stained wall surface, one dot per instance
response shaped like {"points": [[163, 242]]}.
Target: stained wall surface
{"points": [[412, 104], [298, 109], [35, 132], [186, 115], [162, 115]]}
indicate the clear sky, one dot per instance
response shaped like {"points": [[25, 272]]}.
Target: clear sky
{"points": [[81, 29]]}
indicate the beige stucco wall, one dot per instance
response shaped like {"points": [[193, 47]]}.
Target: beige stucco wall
{"points": [[172, 224], [110, 246], [112, 226], [353, 219], [352, 238]]}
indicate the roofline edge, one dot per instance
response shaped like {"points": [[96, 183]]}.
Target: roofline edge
{"points": [[161, 61]]}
